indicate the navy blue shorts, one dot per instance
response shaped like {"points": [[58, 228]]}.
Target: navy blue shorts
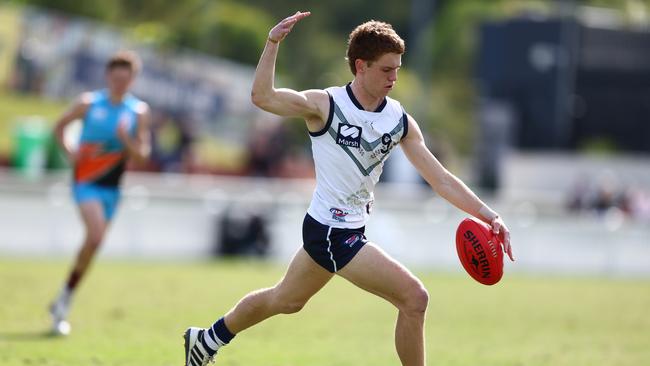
{"points": [[332, 248]]}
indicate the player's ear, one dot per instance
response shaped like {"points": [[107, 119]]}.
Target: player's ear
{"points": [[361, 65]]}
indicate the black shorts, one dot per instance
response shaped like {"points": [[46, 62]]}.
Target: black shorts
{"points": [[332, 248]]}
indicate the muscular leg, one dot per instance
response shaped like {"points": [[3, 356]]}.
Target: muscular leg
{"points": [[95, 224], [375, 271], [302, 280], [92, 214]]}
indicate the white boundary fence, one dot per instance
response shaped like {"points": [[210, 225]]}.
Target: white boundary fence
{"points": [[175, 217]]}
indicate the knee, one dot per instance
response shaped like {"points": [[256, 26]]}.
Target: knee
{"points": [[285, 304], [289, 306], [94, 239], [416, 301]]}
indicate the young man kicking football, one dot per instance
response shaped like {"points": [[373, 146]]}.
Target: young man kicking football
{"points": [[353, 129]]}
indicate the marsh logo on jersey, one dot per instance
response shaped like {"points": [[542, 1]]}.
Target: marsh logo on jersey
{"points": [[349, 135]]}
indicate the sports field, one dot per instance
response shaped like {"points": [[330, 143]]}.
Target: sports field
{"points": [[134, 314]]}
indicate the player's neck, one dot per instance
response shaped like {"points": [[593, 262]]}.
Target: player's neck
{"points": [[116, 98], [367, 100]]}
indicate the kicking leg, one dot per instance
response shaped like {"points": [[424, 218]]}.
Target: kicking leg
{"points": [[375, 271], [303, 279]]}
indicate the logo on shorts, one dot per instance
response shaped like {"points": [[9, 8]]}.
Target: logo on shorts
{"points": [[353, 240], [349, 135], [338, 214]]}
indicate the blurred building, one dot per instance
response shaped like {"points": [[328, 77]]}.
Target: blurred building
{"points": [[567, 83], [561, 83]]}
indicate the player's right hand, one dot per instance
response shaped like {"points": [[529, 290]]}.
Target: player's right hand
{"points": [[73, 157], [502, 232], [283, 28]]}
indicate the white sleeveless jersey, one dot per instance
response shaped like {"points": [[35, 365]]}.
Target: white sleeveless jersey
{"points": [[349, 154]]}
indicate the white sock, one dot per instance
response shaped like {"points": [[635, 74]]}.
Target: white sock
{"points": [[64, 296]]}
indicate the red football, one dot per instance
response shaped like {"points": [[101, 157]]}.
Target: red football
{"points": [[479, 251]]}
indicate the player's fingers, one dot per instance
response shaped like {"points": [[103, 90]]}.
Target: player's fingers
{"points": [[290, 17], [287, 24], [292, 22], [300, 15], [496, 227], [508, 246], [296, 17]]}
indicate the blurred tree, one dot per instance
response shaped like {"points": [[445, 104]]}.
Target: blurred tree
{"points": [[228, 29], [104, 10], [314, 55]]}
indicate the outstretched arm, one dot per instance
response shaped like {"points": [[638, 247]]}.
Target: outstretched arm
{"points": [[448, 186], [312, 105]]}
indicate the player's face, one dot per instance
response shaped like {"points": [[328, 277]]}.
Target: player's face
{"points": [[119, 80], [381, 75]]}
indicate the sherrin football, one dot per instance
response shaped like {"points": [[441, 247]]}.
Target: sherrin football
{"points": [[479, 251]]}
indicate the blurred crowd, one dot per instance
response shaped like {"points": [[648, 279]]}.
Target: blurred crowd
{"points": [[270, 149], [600, 196]]}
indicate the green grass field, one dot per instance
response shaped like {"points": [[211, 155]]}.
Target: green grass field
{"points": [[134, 314]]}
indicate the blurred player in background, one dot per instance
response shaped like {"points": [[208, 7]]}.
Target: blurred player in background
{"points": [[115, 128], [353, 129]]}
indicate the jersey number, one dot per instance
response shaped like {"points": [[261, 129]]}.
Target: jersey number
{"points": [[386, 140]]}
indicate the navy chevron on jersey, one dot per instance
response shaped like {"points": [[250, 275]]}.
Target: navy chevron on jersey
{"points": [[349, 154]]}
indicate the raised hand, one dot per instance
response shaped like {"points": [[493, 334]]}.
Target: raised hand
{"points": [[283, 28]]}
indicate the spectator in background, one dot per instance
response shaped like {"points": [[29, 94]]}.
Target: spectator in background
{"points": [[636, 204], [272, 152], [267, 147], [27, 76], [172, 142], [602, 195]]}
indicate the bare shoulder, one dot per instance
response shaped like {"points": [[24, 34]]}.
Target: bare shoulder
{"points": [[318, 96], [85, 99], [414, 132], [81, 104], [142, 108], [320, 101], [319, 104], [316, 93], [411, 120]]}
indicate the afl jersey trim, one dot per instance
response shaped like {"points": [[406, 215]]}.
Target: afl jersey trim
{"points": [[328, 123], [349, 154], [356, 102]]}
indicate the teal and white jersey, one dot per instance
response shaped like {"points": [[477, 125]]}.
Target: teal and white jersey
{"points": [[349, 154]]}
